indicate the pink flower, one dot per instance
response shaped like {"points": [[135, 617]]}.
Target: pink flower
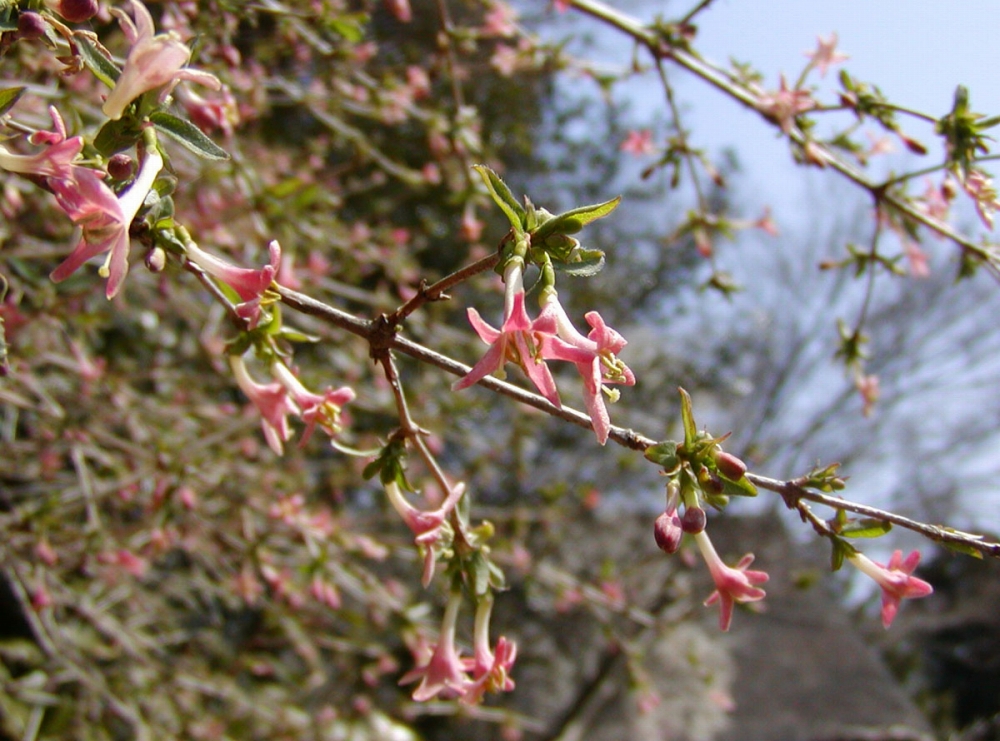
{"points": [[322, 409], [639, 142], [784, 105], [595, 357], [825, 55], [980, 189], [896, 580], [517, 341], [490, 668], [271, 400], [104, 217], [732, 585], [55, 160], [154, 61], [500, 20], [430, 527], [250, 285], [445, 673]]}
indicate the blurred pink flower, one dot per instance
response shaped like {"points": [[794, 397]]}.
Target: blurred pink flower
{"points": [[896, 580], [732, 585], [154, 61], [271, 400], [783, 105], [826, 54], [639, 142]]}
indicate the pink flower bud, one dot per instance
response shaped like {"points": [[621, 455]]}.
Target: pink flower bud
{"points": [[668, 532], [30, 26], [693, 521], [121, 167], [730, 466], [74, 11]]}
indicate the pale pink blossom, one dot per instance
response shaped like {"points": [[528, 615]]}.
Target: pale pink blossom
{"points": [[825, 54], [936, 201], [732, 585], [783, 105], [500, 20], [980, 188], [638, 142], [154, 61], [505, 59], [400, 9], [919, 266], [271, 400], [868, 387], [896, 580]]}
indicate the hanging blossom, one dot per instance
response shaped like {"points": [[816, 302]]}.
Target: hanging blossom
{"points": [[56, 159], [431, 527], [104, 217], [444, 673], [596, 358], [316, 409], [272, 401], [896, 580], [490, 667], [154, 61], [732, 585], [249, 284], [521, 341]]}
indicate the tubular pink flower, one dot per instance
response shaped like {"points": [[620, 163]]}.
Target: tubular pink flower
{"points": [[322, 409], [55, 160], [429, 527], [490, 669], [595, 357], [154, 61], [104, 218], [896, 580], [249, 284], [732, 585], [271, 400], [519, 341], [445, 673]]}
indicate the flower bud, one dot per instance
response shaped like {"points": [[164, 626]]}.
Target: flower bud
{"points": [[120, 167], [730, 466], [693, 521], [668, 532], [156, 260], [74, 11], [30, 26]]}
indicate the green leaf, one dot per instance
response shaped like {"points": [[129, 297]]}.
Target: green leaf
{"points": [[502, 196], [189, 135], [741, 488], [866, 528], [687, 416], [966, 548], [841, 550], [351, 26], [664, 454], [570, 222], [590, 262], [116, 136], [93, 55], [9, 96]]}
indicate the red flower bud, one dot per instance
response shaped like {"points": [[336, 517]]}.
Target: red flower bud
{"points": [[30, 26], [693, 520], [730, 466], [120, 167], [75, 11]]}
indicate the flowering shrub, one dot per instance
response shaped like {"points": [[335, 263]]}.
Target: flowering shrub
{"points": [[178, 580]]}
